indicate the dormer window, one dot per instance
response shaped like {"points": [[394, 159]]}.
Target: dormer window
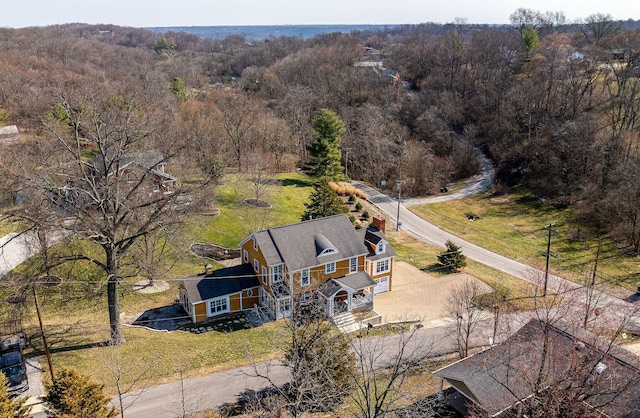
{"points": [[324, 246], [327, 251], [380, 248]]}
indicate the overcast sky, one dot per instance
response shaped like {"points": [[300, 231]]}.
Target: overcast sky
{"points": [[148, 13]]}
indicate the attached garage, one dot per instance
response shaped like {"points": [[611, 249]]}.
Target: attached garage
{"points": [[382, 285]]}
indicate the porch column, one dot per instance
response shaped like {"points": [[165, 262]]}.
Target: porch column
{"points": [[441, 391]]}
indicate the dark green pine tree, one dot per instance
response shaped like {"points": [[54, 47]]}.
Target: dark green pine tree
{"points": [[324, 151], [11, 407], [452, 258], [323, 202], [75, 395]]}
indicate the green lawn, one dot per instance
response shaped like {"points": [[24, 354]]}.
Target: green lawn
{"points": [[75, 313], [425, 257], [287, 195], [514, 225]]}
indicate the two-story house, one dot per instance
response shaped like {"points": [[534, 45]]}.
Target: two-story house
{"points": [[146, 169], [325, 261]]}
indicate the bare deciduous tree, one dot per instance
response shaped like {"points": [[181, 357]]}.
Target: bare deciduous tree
{"points": [[383, 365], [462, 307]]}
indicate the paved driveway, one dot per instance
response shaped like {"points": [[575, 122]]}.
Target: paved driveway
{"points": [[418, 295]]}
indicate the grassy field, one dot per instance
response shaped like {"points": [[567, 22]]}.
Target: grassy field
{"points": [[514, 226], [287, 195], [75, 313], [425, 257]]}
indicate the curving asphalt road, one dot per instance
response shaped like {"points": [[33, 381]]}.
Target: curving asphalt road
{"points": [[610, 308]]}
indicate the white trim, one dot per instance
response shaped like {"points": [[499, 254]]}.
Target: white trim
{"points": [[351, 269], [302, 276], [224, 303], [328, 251], [329, 270], [277, 273], [385, 264]]}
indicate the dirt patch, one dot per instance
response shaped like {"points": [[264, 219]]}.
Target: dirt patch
{"points": [[144, 286], [257, 203], [214, 251]]}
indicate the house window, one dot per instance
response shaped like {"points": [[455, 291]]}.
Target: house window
{"points": [[277, 273], [185, 302], [255, 244], [382, 266], [330, 267], [218, 306], [156, 188], [256, 265], [245, 256], [304, 277], [284, 307], [380, 247], [353, 264], [249, 293], [264, 275], [305, 298]]}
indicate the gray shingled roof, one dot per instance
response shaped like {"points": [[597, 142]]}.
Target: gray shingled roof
{"points": [[356, 281], [297, 245], [220, 282], [498, 377]]}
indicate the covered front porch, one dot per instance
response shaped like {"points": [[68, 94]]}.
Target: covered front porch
{"points": [[347, 294]]}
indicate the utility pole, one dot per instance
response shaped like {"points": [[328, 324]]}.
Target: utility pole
{"points": [[44, 337], [346, 162], [546, 269], [399, 183]]}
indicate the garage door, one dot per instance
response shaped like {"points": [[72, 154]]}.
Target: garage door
{"points": [[382, 285]]}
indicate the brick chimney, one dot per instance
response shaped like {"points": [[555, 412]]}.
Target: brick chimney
{"points": [[380, 222]]}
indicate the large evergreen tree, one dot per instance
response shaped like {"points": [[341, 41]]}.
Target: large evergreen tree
{"points": [[324, 151], [75, 395], [452, 258], [11, 407], [323, 201]]}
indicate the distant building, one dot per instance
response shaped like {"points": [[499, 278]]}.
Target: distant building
{"points": [[9, 134]]}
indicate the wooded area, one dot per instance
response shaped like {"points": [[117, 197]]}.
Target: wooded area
{"points": [[553, 104]]}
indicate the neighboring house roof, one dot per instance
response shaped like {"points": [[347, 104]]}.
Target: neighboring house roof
{"points": [[152, 160], [220, 283], [9, 134], [303, 245], [497, 378]]}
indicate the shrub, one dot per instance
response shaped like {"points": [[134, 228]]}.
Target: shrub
{"points": [[365, 215], [343, 188], [352, 198], [73, 394], [358, 206]]}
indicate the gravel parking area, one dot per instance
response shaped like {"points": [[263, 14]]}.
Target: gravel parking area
{"points": [[416, 295]]}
